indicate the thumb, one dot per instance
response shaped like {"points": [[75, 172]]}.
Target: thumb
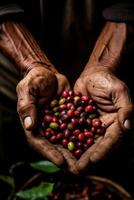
{"points": [[124, 116], [80, 87], [27, 110]]}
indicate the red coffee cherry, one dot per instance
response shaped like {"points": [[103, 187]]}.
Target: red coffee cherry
{"points": [[78, 153], [96, 123]]}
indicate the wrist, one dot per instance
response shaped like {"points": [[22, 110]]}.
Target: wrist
{"points": [[95, 68], [110, 47], [19, 45]]}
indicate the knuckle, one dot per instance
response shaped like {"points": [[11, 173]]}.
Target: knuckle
{"points": [[18, 87], [122, 87]]}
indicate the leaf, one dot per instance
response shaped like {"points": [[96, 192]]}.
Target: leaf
{"points": [[39, 192], [45, 166], [7, 179], [14, 166]]}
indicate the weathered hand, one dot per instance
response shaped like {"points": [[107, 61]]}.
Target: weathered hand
{"points": [[115, 108], [34, 90]]}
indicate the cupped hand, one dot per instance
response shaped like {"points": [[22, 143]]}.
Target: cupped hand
{"points": [[34, 90], [114, 106]]}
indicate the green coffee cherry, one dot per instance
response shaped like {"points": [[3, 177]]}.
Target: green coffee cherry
{"points": [[53, 125], [92, 116], [71, 146], [62, 101]]}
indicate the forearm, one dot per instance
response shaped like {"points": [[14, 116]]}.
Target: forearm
{"points": [[110, 47], [18, 44]]}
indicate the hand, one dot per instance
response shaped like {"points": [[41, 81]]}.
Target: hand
{"points": [[34, 90], [115, 108]]}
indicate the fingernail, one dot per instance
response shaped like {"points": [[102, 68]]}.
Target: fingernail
{"points": [[27, 122], [127, 124]]}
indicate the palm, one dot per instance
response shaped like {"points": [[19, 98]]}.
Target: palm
{"points": [[111, 96], [35, 89]]}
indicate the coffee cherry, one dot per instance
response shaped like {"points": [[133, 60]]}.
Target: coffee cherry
{"points": [[73, 138], [70, 113], [83, 114], [72, 121], [63, 126], [91, 102], [96, 123], [47, 134], [89, 122], [53, 125], [55, 119], [62, 101], [71, 92], [63, 112], [67, 133], [64, 94], [92, 129], [47, 111], [76, 132], [88, 134], [76, 100], [80, 109], [48, 118], [59, 136], [56, 114], [76, 113], [56, 196], [70, 146], [89, 141], [64, 118], [92, 116], [84, 98], [81, 137], [85, 146], [79, 144], [69, 98], [54, 103], [82, 120], [78, 153], [69, 105], [88, 109], [53, 139], [70, 126], [64, 142], [62, 107], [100, 130], [78, 94], [55, 109]]}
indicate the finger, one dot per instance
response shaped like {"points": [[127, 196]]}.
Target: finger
{"points": [[63, 83], [111, 138], [70, 159], [124, 106], [26, 108], [124, 116], [84, 162], [46, 149], [103, 146], [80, 87], [108, 119]]}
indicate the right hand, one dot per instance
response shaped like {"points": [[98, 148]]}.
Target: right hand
{"points": [[34, 90]]}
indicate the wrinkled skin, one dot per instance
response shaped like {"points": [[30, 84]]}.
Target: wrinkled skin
{"points": [[112, 98], [34, 90], [115, 108]]}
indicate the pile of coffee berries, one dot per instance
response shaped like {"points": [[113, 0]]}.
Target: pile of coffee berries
{"points": [[72, 120]]}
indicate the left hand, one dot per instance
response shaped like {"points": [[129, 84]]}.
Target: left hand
{"points": [[115, 108]]}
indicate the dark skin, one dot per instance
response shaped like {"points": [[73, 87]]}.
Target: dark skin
{"points": [[42, 81], [114, 106]]}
